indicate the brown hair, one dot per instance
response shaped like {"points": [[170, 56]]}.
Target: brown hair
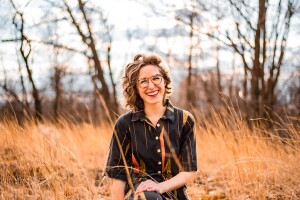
{"points": [[133, 100]]}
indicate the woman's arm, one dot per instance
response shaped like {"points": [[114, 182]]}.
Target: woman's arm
{"points": [[171, 184], [176, 182], [117, 189]]}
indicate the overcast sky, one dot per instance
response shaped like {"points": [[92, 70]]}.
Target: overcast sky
{"points": [[123, 15]]}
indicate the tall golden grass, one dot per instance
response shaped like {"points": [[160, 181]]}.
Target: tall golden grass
{"points": [[65, 160]]}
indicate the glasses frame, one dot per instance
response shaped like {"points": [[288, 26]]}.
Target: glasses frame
{"points": [[150, 78]]}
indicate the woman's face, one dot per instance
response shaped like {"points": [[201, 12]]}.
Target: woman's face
{"points": [[151, 85]]}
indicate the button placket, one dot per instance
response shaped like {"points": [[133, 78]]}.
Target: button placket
{"points": [[157, 138], [158, 131]]}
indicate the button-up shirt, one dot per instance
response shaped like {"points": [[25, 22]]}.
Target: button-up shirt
{"points": [[164, 149]]}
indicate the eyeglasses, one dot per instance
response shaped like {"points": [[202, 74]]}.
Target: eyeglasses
{"points": [[156, 79]]}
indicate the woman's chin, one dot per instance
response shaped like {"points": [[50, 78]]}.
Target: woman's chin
{"points": [[153, 101]]}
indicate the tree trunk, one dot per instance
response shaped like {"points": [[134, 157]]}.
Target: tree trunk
{"points": [[219, 86], [115, 103], [256, 70], [25, 55], [189, 79], [58, 71], [88, 39]]}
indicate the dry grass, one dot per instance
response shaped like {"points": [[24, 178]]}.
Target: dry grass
{"points": [[64, 161]]}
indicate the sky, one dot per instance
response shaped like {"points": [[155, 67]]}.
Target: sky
{"points": [[123, 15]]}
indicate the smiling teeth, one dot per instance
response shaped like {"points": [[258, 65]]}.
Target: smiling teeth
{"points": [[152, 93]]}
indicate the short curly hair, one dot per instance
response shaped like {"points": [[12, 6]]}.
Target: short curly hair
{"points": [[133, 100]]}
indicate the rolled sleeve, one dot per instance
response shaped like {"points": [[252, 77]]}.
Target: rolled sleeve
{"points": [[115, 167], [188, 147]]}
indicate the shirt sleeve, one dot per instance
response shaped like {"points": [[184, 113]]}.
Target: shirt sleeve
{"points": [[115, 167], [188, 144]]}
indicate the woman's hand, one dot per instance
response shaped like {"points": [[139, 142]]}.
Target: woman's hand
{"points": [[171, 184], [149, 186]]}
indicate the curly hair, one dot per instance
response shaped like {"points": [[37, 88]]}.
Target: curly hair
{"points": [[133, 100]]}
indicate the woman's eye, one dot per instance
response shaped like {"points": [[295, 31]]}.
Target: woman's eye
{"points": [[143, 81], [155, 78]]}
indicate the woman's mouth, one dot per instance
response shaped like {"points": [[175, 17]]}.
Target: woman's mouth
{"points": [[152, 94]]}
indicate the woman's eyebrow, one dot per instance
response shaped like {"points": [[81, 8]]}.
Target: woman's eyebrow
{"points": [[149, 76]]}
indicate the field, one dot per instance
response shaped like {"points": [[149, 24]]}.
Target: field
{"points": [[65, 160]]}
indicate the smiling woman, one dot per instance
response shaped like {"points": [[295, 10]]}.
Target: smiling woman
{"points": [[153, 148], [137, 75]]}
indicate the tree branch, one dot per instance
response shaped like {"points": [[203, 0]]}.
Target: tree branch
{"points": [[238, 51], [76, 24], [242, 14], [50, 43], [243, 36]]}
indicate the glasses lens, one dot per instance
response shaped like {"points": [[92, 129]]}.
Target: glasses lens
{"points": [[156, 79], [143, 83]]}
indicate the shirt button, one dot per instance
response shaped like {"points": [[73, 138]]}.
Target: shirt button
{"points": [[159, 163], [156, 137], [158, 150], [158, 125], [159, 172]]}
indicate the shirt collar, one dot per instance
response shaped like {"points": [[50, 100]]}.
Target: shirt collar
{"points": [[138, 115], [169, 114]]}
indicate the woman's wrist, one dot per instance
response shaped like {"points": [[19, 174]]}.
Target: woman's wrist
{"points": [[162, 188]]}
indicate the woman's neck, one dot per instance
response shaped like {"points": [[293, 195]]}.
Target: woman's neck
{"points": [[154, 111]]}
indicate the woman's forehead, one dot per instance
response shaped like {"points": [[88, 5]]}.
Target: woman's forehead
{"points": [[148, 70]]}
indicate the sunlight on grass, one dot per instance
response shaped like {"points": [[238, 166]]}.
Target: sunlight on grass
{"points": [[66, 161]]}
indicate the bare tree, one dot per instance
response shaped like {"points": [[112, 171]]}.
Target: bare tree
{"points": [[190, 17], [59, 71], [261, 45], [89, 40], [107, 30], [218, 46], [25, 50]]}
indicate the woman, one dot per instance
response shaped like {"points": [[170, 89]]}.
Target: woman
{"points": [[156, 139]]}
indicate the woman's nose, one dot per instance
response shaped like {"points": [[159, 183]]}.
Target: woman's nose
{"points": [[150, 84]]}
